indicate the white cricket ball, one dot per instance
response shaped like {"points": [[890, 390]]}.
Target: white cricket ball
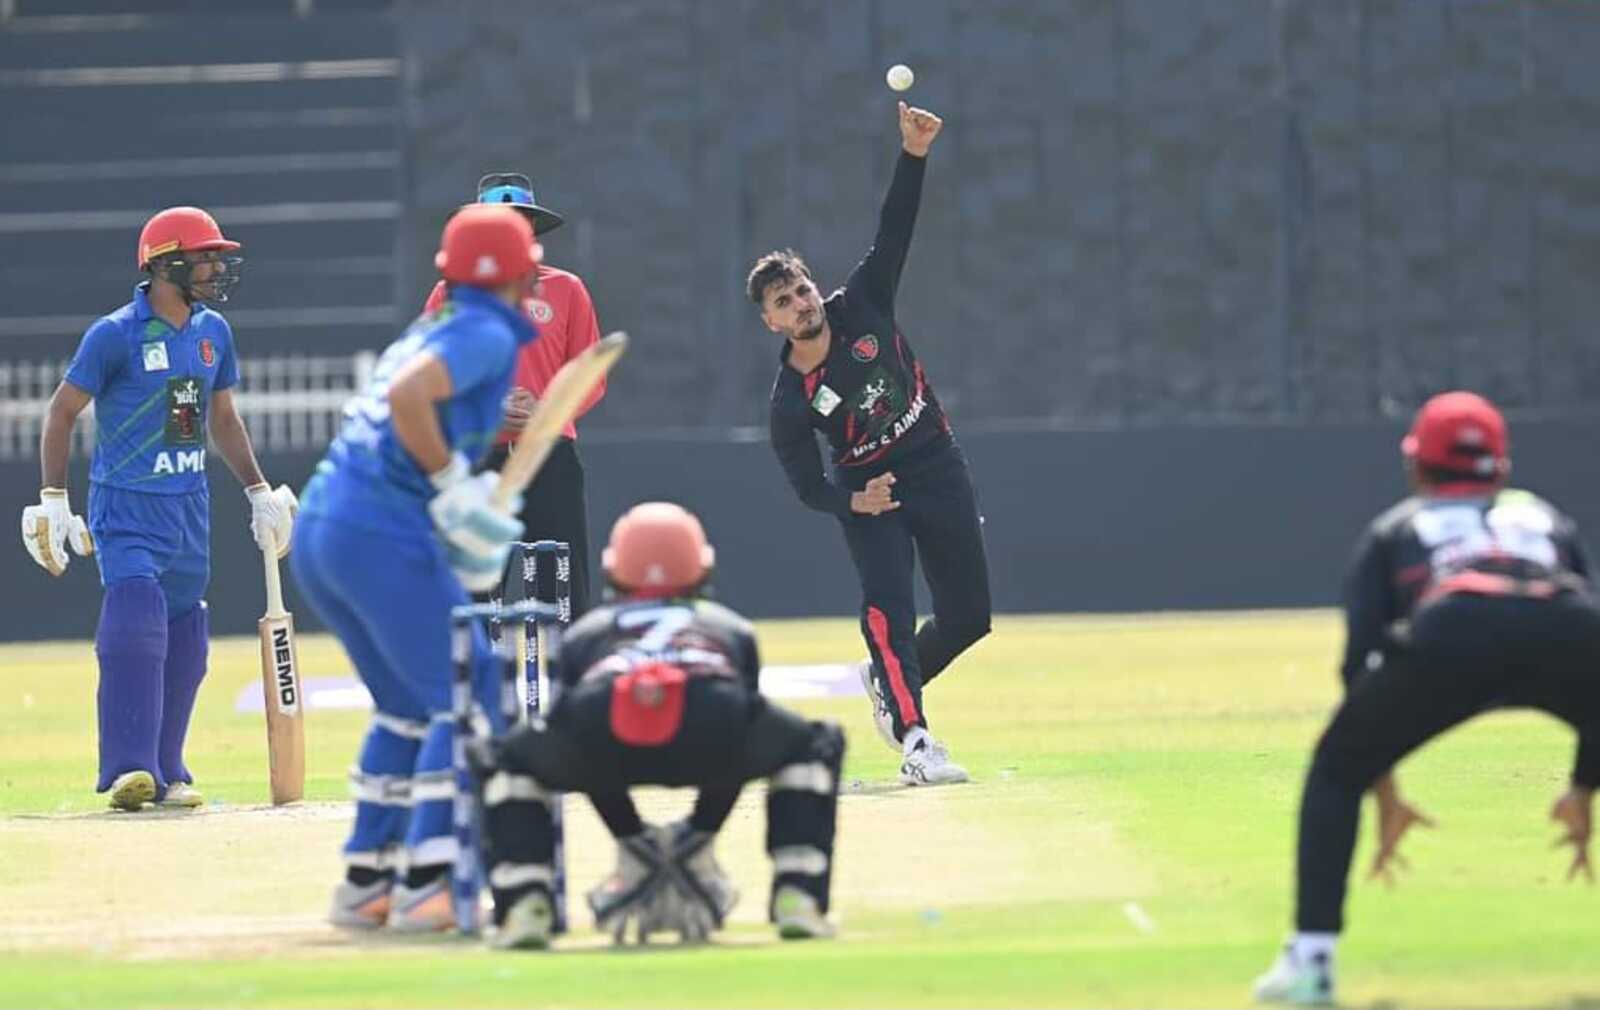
{"points": [[900, 77]]}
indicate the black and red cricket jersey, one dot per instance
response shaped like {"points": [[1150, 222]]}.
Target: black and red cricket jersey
{"points": [[700, 637], [869, 396], [1505, 543]]}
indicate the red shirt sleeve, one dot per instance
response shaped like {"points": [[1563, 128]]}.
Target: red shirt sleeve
{"points": [[565, 318], [436, 298], [583, 332]]}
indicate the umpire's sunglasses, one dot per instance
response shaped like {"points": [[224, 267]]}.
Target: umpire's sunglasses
{"points": [[506, 187]]}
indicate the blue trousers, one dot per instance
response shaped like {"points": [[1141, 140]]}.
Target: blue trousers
{"points": [[388, 599], [166, 537], [153, 551]]}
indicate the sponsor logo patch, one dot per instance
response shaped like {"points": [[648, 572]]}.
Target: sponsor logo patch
{"points": [[186, 418], [865, 349], [283, 671], [155, 357], [208, 355], [825, 400]]}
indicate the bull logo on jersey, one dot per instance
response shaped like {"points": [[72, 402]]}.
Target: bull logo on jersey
{"points": [[865, 349], [185, 412], [881, 399], [208, 355]]}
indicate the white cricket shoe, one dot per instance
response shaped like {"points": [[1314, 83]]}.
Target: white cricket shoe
{"points": [[797, 916], [528, 924], [181, 794], [1297, 981], [361, 906], [926, 762], [880, 708], [132, 790]]}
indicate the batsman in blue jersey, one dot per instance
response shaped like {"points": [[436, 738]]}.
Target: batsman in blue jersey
{"points": [[160, 371], [393, 532]]}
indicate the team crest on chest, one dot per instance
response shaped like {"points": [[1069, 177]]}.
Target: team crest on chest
{"points": [[541, 311], [865, 349], [208, 354]]}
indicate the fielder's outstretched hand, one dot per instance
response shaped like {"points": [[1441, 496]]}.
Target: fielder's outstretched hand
{"points": [[1395, 818], [918, 127], [1574, 810]]}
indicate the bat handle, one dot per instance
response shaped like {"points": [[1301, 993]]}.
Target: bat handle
{"points": [[269, 558]]}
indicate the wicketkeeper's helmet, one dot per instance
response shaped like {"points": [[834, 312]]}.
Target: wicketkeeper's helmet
{"points": [[658, 549]]}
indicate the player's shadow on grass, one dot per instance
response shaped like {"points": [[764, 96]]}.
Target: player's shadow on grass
{"points": [[582, 943], [884, 789], [148, 814], [1579, 1001]]}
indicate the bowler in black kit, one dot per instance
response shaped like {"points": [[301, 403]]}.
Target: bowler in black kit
{"points": [[900, 487]]}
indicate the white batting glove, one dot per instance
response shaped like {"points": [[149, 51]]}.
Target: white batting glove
{"points": [[49, 526], [477, 535], [272, 515]]}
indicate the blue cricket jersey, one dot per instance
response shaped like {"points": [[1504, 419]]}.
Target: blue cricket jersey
{"points": [[367, 477], [152, 388]]}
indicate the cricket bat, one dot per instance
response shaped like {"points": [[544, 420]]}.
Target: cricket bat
{"points": [[567, 390], [280, 686]]}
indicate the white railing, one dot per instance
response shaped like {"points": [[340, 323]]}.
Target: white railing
{"points": [[290, 403]]}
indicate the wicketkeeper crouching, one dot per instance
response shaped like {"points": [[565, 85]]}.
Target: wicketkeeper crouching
{"points": [[659, 687]]}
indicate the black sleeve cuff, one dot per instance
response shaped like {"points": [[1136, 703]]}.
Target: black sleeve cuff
{"points": [[1586, 767]]}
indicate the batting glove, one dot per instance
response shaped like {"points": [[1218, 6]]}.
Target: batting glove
{"points": [[272, 515], [477, 535], [48, 527]]}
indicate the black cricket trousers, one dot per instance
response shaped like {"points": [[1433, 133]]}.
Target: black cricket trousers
{"points": [[937, 520], [1466, 654], [554, 508]]}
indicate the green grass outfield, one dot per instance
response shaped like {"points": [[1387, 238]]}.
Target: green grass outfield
{"points": [[1128, 842]]}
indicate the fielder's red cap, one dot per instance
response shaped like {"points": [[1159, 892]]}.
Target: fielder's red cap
{"points": [[647, 704], [1461, 432]]}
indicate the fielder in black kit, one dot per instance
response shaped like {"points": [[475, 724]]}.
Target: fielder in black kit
{"points": [[900, 486], [660, 688], [1463, 598]]}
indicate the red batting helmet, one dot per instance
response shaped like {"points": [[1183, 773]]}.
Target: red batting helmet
{"points": [[657, 549], [1460, 432], [487, 246], [180, 229]]}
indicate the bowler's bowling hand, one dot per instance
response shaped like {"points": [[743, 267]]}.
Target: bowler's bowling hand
{"points": [[918, 127]]}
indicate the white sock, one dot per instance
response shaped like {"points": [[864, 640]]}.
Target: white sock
{"points": [[1307, 946], [914, 736]]}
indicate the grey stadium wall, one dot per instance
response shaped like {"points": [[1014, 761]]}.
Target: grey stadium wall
{"points": [[1181, 272], [1084, 521]]}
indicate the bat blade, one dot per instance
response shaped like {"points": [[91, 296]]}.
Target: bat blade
{"points": [[559, 404], [280, 686]]}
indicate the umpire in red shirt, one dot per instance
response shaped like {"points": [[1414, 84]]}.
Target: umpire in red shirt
{"points": [[554, 506]]}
